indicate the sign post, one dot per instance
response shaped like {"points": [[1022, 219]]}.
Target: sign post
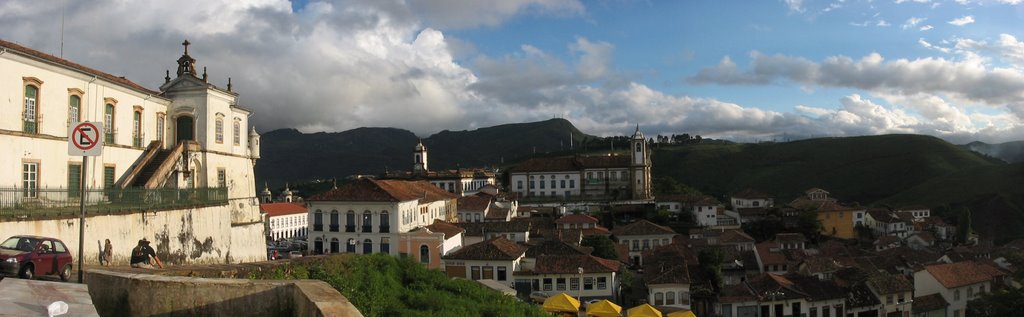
{"points": [[85, 140]]}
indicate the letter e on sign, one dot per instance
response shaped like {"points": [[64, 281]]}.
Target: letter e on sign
{"points": [[85, 139]]}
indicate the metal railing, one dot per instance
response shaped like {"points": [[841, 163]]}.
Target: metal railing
{"points": [[21, 202]]}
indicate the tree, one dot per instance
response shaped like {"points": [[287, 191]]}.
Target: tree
{"points": [[1005, 302], [764, 229], [963, 225], [705, 293], [603, 246]]}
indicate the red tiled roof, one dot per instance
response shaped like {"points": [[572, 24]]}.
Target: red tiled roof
{"points": [[546, 164], [929, 303], [767, 256], [751, 194], [69, 64], [962, 273], [569, 264], [642, 227], [497, 248], [474, 203], [448, 229], [281, 209], [734, 236], [391, 190], [576, 218]]}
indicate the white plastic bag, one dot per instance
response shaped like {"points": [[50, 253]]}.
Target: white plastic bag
{"points": [[57, 308]]}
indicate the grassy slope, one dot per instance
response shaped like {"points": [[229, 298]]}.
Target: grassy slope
{"points": [[862, 169]]}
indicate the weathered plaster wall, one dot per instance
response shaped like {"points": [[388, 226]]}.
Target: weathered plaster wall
{"points": [[200, 235]]}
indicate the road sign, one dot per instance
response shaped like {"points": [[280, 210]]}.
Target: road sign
{"points": [[85, 139]]}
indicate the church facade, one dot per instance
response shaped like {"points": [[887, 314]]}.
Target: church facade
{"points": [[586, 178], [188, 134], [460, 181]]}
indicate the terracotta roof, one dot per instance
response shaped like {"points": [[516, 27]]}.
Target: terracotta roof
{"points": [[666, 265], [929, 303], [474, 203], [769, 257], [390, 190], [547, 164], [790, 238], [751, 194], [496, 213], [497, 248], [815, 288], [815, 189], [884, 283], [642, 227], [734, 236], [887, 240], [569, 264], [281, 209], [604, 161], [11, 46], [479, 228], [820, 264], [765, 282], [883, 215], [448, 229], [576, 218], [963, 273], [555, 247]]}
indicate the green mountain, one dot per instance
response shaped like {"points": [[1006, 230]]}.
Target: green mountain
{"points": [[894, 170], [1012, 152], [288, 155]]}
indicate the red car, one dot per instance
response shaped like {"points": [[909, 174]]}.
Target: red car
{"points": [[29, 256]]}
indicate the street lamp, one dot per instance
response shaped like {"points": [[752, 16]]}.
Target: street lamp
{"points": [[579, 286]]}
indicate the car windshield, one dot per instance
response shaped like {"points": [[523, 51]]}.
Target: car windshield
{"points": [[19, 243]]}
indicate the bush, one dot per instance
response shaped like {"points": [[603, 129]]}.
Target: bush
{"points": [[383, 285]]}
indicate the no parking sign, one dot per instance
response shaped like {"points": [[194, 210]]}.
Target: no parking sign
{"points": [[85, 139]]}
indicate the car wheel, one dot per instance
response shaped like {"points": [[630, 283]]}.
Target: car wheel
{"points": [[27, 272], [65, 274]]}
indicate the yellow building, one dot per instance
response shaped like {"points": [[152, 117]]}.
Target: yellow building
{"points": [[836, 220]]}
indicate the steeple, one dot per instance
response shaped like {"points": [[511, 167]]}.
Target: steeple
{"points": [[287, 193], [265, 195], [186, 64], [419, 158]]}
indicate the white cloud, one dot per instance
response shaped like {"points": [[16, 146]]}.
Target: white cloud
{"points": [[965, 20], [934, 47], [1007, 47], [926, 28], [918, 1], [968, 80], [882, 23], [1011, 2], [795, 5], [912, 22]]}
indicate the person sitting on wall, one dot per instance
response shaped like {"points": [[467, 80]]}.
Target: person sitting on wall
{"points": [[141, 254]]}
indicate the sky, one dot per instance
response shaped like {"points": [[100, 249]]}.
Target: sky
{"points": [[738, 70]]}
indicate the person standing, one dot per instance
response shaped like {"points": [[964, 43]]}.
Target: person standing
{"points": [[141, 254], [108, 253]]}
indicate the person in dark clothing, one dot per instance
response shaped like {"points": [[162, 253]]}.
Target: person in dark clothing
{"points": [[141, 254]]}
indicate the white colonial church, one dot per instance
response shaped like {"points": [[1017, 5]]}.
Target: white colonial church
{"points": [[176, 167]]}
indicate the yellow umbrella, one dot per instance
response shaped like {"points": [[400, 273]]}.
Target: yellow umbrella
{"points": [[681, 313], [604, 308], [561, 303], [645, 310]]}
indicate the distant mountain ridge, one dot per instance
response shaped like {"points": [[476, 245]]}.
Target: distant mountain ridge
{"points": [[1011, 152], [292, 156]]}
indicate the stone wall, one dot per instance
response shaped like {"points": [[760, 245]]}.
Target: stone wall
{"points": [[126, 292], [183, 236]]}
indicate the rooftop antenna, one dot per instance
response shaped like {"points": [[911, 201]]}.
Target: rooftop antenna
{"points": [[62, 7]]}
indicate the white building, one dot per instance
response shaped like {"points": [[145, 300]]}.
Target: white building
{"points": [[641, 236], [368, 215], [586, 177], [958, 283], [751, 198], [494, 259], [460, 181], [188, 134], [581, 276], [285, 220]]}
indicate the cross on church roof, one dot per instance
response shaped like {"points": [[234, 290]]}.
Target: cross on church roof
{"points": [[185, 43]]}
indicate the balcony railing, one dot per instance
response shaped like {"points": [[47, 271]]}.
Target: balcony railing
{"points": [[45, 202]]}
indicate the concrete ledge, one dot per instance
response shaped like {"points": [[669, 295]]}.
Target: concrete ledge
{"points": [[131, 293]]}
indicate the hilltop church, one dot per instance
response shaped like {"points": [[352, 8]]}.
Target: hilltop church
{"points": [[606, 177], [176, 164]]}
